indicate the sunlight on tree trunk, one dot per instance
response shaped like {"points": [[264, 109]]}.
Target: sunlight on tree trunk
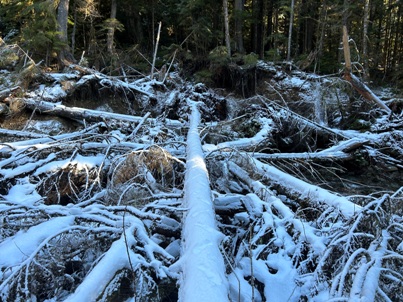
{"points": [[365, 39], [65, 57], [290, 31]]}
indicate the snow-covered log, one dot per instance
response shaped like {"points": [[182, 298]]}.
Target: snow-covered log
{"points": [[203, 269], [306, 190], [337, 155], [90, 115], [18, 133], [338, 152]]}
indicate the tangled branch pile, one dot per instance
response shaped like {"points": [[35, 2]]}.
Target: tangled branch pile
{"points": [[96, 214]]}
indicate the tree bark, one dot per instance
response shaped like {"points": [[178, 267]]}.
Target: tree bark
{"points": [[226, 26], [111, 29], [321, 34], [65, 56], [290, 31], [364, 39], [238, 11], [200, 231]]}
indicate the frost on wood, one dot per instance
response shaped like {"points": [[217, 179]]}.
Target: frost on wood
{"points": [[202, 263], [223, 200]]}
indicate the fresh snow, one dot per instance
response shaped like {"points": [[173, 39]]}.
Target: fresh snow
{"points": [[14, 250], [203, 271]]}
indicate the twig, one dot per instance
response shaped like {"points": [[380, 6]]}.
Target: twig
{"points": [[156, 49], [170, 65], [126, 244], [140, 124]]}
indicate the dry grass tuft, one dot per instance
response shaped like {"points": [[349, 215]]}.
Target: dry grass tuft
{"points": [[142, 173], [157, 161]]}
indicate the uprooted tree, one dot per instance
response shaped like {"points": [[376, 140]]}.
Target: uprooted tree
{"points": [[195, 194]]}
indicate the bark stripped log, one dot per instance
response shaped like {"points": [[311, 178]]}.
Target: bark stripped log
{"points": [[354, 81]]}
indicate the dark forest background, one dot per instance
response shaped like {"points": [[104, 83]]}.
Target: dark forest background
{"points": [[109, 34]]}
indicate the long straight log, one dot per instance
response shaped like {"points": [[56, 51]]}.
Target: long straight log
{"points": [[339, 155], [340, 151], [201, 256], [80, 114], [305, 191]]}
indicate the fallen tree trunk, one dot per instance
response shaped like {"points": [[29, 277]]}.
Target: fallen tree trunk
{"points": [[307, 122], [339, 155], [302, 190], [80, 114], [200, 231], [18, 133], [6, 92]]}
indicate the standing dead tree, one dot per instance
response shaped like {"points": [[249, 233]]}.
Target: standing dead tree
{"points": [[354, 81]]}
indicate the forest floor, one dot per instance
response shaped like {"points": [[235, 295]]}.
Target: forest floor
{"points": [[137, 189]]}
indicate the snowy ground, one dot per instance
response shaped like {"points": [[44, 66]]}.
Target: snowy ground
{"points": [[154, 209]]}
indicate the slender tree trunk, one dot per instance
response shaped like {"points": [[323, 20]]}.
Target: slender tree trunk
{"points": [[65, 56], [387, 42], [155, 50], [254, 25], [238, 11], [73, 34], [259, 14], [264, 29], [365, 38], [290, 31], [321, 30], [397, 35], [111, 29], [226, 26], [270, 13]]}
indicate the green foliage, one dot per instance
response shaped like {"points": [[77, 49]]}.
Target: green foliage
{"points": [[198, 26], [272, 55], [204, 76], [250, 59], [112, 24], [219, 55], [329, 64], [36, 21]]}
